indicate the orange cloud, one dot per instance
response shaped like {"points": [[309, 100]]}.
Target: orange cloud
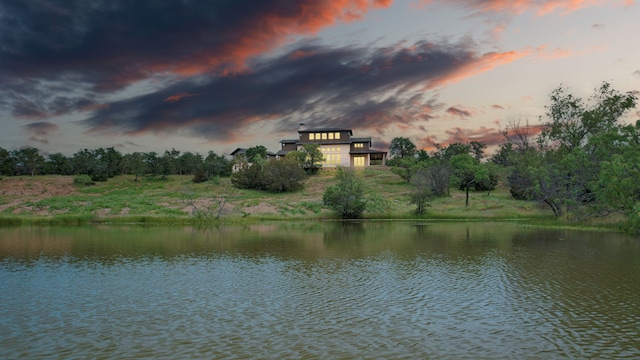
{"points": [[540, 7], [272, 30], [483, 64], [178, 97]]}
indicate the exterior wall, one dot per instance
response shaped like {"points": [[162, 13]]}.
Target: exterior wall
{"points": [[360, 145], [288, 147], [325, 137], [330, 150]]}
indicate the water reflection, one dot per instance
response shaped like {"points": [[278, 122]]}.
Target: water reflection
{"points": [[318, 290]]}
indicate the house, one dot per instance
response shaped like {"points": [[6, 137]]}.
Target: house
{"points": [[338, 146], [239, 158]]}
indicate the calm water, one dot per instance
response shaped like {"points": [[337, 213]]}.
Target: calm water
{"points": [[318, 290]]}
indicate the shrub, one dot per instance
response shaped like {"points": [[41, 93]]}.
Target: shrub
{"points": [[346, 198], [283, 175], [199, 177], [84, 180]]}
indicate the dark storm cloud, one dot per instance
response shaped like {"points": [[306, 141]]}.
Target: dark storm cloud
{"points": [[41, 128], [100, 46], [327, 87]]}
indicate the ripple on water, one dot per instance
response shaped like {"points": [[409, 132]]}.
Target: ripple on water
{"points": [[497, 305]]}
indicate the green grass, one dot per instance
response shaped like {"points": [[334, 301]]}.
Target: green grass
{"points": [[123, 200]]}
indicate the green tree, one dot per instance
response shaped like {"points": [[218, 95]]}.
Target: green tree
{"points": [[134, 163], [580, 138], [58, 164], [283, 175], [217, 165], [346, 198], [402, 147], [421, 190], [256, 152], [467, 170], [310, 157], [28, 161], [6, 162]]}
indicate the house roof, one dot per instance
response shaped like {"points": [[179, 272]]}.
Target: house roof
{"points": [[370, 151], [238, 151], [361, 139], [325, 130]]}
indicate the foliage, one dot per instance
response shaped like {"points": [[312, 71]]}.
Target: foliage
{"points": [[346, 198], [582, 163], [283, 176], [309, 156], [421, 190], [84, 180], [402, 147], [199, 177], [467, 171], [274, 175], [256, 152]]}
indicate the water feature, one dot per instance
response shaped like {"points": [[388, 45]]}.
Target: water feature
{"points": [[318, 290]]}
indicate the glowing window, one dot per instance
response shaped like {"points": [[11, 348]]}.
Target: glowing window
{"points": [[358, 161], [324, 136], [330, 136], [337, 135], [358, 145], [310, 136]]}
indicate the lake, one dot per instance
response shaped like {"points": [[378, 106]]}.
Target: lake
{"points": [[328, 290]]}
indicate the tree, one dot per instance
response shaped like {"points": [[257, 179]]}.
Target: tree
{"points": [[310, 157], [467, 170], [134, 163], [402, 147], [190, 163], [256, 152], [346, 198], [580, 139], [217, 165], [283, 175], [421, 190], [6, 162], [58, 164], [28, 161]]}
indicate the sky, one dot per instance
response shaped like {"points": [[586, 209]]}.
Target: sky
{"points": [[206, 76]]}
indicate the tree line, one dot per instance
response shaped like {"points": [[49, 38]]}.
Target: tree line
{"points": [[103, 163], [582, 160]]}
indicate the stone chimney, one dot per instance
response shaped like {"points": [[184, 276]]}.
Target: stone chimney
{"points": [[301, 126]]}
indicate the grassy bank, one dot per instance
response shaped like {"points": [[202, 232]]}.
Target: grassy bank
{"points": [[56, 200]]}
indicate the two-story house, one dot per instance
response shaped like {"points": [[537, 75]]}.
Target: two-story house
{"points": [[338, 146]]}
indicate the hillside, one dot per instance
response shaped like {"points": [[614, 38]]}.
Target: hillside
{"points": [[123, 199]]}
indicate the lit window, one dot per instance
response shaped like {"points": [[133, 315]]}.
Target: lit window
{"points": [[337, 135], [358, 145], [310, 136], [317, 136], [330, 136], [324, 136]]}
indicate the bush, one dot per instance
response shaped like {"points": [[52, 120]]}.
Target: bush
{"points": [[346, 198], [84, 180], [199, 177], [274, 175], [99, 176], [283, 175]]}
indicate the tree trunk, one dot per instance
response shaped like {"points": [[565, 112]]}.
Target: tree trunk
{"points": [[466, 203]]}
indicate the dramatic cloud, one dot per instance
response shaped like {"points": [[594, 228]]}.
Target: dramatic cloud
{"points": [[41, 128], [540, 7], [349, 87], [97, 47]]}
